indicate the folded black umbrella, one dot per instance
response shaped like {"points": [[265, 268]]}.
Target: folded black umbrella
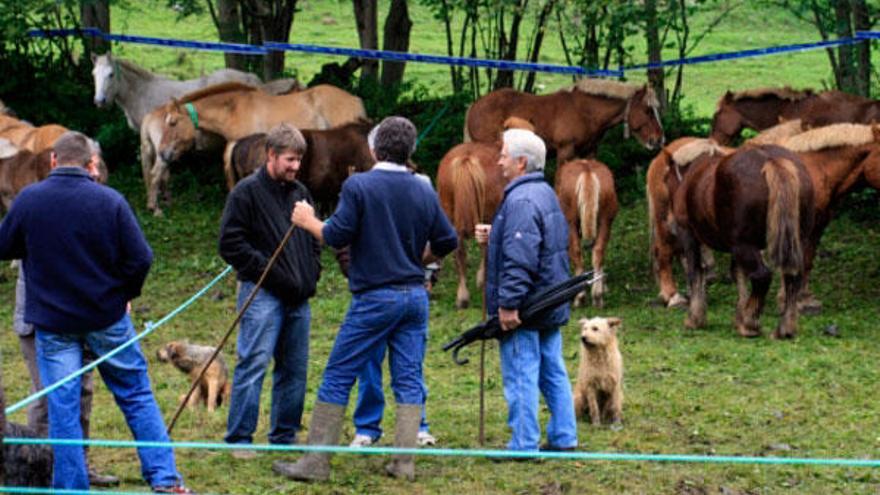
{"points": [[532, 313]]}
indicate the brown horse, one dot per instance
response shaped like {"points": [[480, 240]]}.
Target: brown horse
{"points": [[586, 194], [234, 110], [25, 136], [839, 158], [758, 198], [331, 156], [835, 107], [663, 178], [470, 186], [571, 121]]}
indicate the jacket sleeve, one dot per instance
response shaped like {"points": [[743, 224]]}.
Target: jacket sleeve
{"points": [[442, 237], [235, 238], [11, 239], [520, 250], [342, 227], [136, 255]]}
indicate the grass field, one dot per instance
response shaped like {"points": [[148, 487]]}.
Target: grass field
{"points": [[703, 392]]}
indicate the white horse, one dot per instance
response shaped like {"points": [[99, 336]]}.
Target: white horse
{"points": [[139, 91]]}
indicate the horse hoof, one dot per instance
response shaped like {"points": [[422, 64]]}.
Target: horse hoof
{"points": [[748, 333], [677, 301], [598, 303], [158, 213], [810, 307], [462, 304], [780, 334], [694, 323]]}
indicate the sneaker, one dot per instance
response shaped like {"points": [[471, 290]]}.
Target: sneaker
{"points": [[180, 489], [362, 441], [425, 439], [546, 447], [244, 454]]}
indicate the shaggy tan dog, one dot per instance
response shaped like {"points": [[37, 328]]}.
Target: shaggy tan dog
{"points": [[599, 386], [214, 388]]}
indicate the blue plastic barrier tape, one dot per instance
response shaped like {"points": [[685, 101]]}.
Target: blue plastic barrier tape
{"points": [[150, 327], [572, 455], [758, 52], [148, 40]]}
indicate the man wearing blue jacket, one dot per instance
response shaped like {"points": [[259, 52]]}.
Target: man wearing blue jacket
{"points": [[85, 258], [388, 217], [528, 252]]}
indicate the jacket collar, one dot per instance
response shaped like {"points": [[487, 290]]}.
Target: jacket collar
{"points": [[390, 167], [522, 179], [70, 171]]}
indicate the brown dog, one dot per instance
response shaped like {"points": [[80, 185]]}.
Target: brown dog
{"points": [[599, 386], [189, 358]]}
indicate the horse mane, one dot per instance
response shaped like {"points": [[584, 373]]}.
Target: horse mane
{"points": [[131, 66], [783, 93], [831, 136], [691, 151], [216, 89], [614, 89], [778, 133], [518, 123]]}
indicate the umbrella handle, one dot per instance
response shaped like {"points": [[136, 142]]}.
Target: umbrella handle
{"points": [[455, 358]]}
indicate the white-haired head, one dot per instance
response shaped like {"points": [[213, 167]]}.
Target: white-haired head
{"points": [[525, 143]]}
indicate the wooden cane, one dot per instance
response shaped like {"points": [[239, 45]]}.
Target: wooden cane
{"points": [[244, 308], [482, 437]]}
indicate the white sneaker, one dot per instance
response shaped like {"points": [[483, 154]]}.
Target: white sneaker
{"points": [[424, 439], [361, 441]]}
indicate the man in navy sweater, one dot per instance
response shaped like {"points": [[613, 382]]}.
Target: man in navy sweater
{"points": [[85, 258], [387, 216]]}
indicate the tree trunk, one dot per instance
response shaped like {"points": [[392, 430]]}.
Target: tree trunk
{"points": [[862, 22], [229, 28], [652, 33], [507, 47], [275, 20], [96, 14], [536, 45], [846, 61], [366, 15], [396, 38]]}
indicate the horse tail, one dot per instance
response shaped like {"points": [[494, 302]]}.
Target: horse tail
{"points": [[784, 248], [469, 185], [586, 190], [467, 115]]}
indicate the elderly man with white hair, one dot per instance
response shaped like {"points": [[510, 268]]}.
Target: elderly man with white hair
{"points": [[526, 253]]}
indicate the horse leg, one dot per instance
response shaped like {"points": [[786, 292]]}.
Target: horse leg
{"points": [[156, 175], [742, 291], [148, 157], [808, 303], [696, 317], [600, 287], [708, 263], [462, 297], [749, 262], [663, 251], [481, 271], [575, 254], [789, 321]]}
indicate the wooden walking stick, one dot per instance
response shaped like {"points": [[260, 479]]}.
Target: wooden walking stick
{"points": [[244, 308], [482, 437]]}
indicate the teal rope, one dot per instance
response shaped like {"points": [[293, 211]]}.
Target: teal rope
{"points": [[150, 327], [580, 456], [431, 125]]}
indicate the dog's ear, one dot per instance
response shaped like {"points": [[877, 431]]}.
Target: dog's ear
{"points": [[614, 324], [172, 350], [583, 321]]}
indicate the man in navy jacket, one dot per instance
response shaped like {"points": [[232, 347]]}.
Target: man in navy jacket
{"points": [[528, 252], [85, 258]]}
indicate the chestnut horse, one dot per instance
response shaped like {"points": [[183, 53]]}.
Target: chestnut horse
{"points": [[331, 156], [839, 158], [24, 135], [586, 194], [571, 121], [757, 198], [470, 187], [663, 178]]}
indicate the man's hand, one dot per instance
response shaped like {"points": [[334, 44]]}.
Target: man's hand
{"points": [[481, 233], [509, 319], [302, 214]]}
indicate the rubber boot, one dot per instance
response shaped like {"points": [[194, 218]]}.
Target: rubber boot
{"points": [[325, 429], [409, 416]]}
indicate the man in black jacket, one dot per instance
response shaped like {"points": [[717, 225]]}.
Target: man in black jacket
{"points": [[276, 325]]}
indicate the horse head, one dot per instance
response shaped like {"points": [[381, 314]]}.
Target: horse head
{"points": [[727, 121], [178, 131], [104, 73], [642, 119]]}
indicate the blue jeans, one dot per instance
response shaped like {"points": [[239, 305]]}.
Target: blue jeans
{"points": [[394, 317], [59, 355], [269, 329], [532, 361], [371, 399]]}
